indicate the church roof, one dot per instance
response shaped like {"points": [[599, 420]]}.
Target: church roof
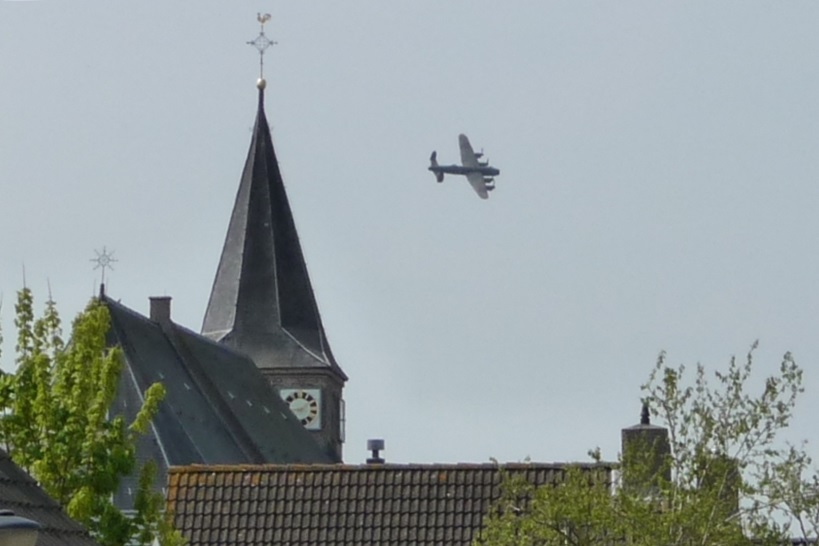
{"points": [[21, 494], [218, 407], [262, 302], [342, 505]]}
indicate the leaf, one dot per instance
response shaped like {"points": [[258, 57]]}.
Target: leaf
{"points": [[55, 419]]}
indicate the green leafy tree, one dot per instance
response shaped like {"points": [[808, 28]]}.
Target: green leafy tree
{"points": [[721, 476], [56, 424]]}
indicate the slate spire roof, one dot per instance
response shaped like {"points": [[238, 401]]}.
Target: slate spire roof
{"points": [[218, 408], [262, 302]]}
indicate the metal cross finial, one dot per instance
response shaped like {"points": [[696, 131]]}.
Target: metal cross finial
{"points": [[104, 260], [261, 42]]}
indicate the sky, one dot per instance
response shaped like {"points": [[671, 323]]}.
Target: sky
{"points": [[657, 192]]}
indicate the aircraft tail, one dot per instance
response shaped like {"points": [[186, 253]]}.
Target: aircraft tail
{"points": [[433, 164]]}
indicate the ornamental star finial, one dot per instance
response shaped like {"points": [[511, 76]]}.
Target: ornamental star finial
{"points": [[261, 43], [104, 260]]}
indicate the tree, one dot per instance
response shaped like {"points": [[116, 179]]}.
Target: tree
{"points": [[55, 424], [719, 474]]}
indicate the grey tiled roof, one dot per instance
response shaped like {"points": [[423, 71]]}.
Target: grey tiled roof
{"points": [[21, 494], [337, 505]]}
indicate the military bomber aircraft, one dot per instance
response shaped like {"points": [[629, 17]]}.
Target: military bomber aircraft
{"points": [[478, 172]]}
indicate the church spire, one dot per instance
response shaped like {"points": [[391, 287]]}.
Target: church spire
{"points": [[262, 302]]}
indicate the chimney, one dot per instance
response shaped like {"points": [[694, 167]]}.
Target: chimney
{"points": [[646, 454], [375, 446], [161, 309]]}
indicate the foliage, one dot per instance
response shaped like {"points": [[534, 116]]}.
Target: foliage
{"points": [[56, 424], [723, 476]]}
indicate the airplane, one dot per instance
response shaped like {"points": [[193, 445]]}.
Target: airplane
{"points": [[478, 172]]}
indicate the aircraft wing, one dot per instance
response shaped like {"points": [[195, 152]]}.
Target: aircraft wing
{"points": [[477, 182], [468, 158]]}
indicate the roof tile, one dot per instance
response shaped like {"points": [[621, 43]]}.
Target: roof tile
{"points": [[340, 504]]}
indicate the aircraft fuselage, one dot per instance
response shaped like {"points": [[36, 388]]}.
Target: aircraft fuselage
{"points": [[460, 169]]}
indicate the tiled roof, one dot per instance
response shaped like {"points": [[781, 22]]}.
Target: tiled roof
{"points": [[21, 494], [336, 505]]}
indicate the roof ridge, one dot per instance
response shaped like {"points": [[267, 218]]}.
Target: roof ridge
{"points": [[220, 468], [236, 429]]}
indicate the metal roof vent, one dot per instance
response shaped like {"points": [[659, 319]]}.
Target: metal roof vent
{"points": [[375, 446]]}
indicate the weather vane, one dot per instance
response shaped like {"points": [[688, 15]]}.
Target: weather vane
{"points": [[104, 260], [261, 43]]}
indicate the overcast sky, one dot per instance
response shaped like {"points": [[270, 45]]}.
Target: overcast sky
{"points": [[658, 190]]}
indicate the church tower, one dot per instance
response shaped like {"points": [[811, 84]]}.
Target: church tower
{"points": [[262, 302]]}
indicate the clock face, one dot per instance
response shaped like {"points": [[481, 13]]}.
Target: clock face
{"points": [[305, 405]]}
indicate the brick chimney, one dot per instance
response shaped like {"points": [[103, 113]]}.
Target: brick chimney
{"points": [[646, 454], [161, 309]]}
